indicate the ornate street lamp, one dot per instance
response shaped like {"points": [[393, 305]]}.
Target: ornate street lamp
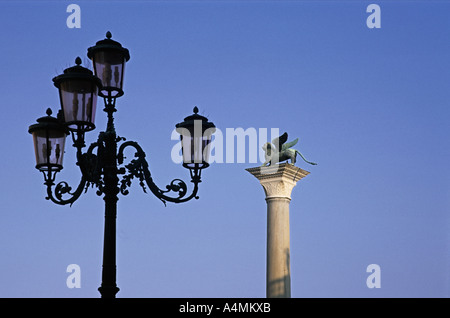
{"points": [[103, 162]]}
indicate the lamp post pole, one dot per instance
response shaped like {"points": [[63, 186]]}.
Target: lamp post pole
{"points": [[78, 89], [108, 288]]}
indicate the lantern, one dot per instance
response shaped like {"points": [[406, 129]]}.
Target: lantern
{"points": [[195, 133], [78, 89], [109, 58], [49, 136]]}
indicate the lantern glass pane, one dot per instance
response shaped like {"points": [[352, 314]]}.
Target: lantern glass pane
{"points": [[49, 149], [195, 149], [206, 147], [109, 67], [207, 139], [79, 102], [198, 150], [187, 147]]}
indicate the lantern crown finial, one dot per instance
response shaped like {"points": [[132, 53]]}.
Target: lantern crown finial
{"points": [[108, 35], [49, 111], [78, 61], [195, 110]]}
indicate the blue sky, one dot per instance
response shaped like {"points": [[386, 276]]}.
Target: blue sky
{"points": [[370, 106]]}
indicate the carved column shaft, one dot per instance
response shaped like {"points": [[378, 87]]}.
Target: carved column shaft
{"points": [[278, 182]]}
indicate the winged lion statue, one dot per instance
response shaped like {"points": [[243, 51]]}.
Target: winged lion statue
{"points": [[280, 150]]}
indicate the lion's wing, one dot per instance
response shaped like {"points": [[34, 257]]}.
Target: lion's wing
{"points": [[289, 144]]}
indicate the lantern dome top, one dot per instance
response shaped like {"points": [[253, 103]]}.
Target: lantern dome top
{"points": [[49, 122], [108, 44], [189, 121], [76, 72]]}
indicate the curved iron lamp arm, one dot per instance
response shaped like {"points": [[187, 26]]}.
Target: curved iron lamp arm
{"points": [[90, 175], [138, 168], [63, 188]]}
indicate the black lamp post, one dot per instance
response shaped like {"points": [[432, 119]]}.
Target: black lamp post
{"points": [[103, 162]]}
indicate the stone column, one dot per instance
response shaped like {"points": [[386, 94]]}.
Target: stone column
{"points": [[278, 182]]}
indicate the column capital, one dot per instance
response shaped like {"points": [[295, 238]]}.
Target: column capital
{"points": [[278, 180]]}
